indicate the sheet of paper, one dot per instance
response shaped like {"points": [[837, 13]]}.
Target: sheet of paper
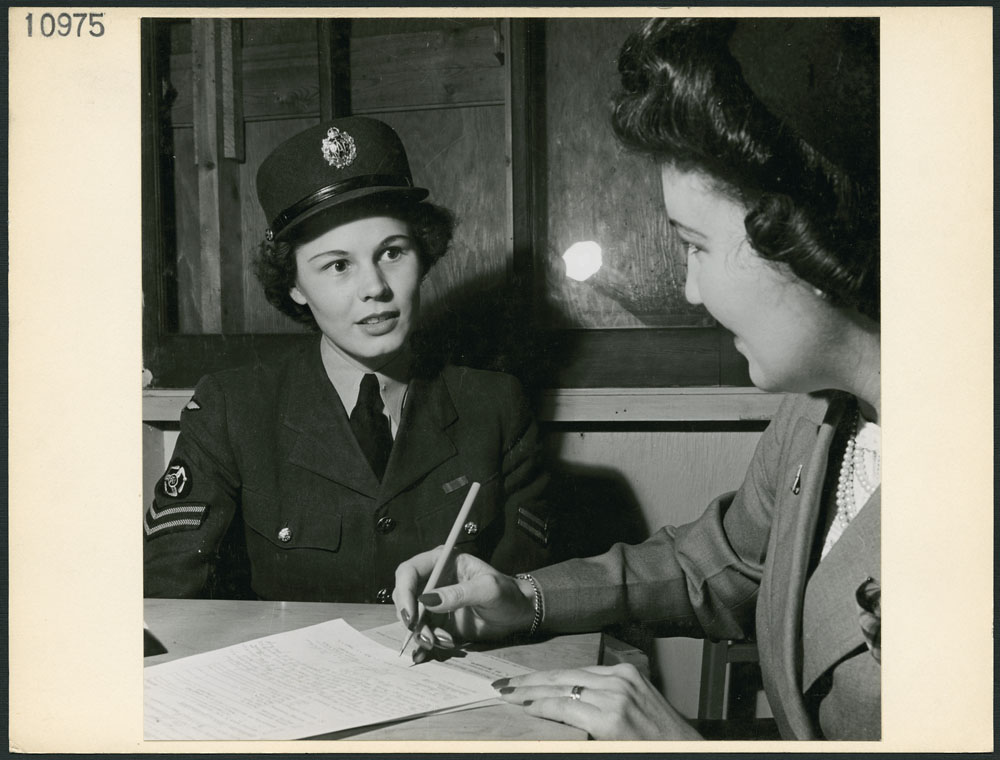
{"points": [[314, 680]]}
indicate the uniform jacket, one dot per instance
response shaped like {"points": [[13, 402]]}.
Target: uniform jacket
{"points": [[748, 569], [268, 494]]}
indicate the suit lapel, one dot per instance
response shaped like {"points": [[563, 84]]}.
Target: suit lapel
{"points": [[323, 441], [797, 515], [422, 442], [831, 622]]}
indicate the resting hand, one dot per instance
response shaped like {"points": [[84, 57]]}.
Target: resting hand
{"points": [[484, 603], [615, 702]]}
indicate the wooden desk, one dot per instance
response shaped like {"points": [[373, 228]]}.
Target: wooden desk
{"points": [[192, 626]]}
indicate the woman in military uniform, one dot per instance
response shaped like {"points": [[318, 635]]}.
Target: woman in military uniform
{"points": [[314, 477]]}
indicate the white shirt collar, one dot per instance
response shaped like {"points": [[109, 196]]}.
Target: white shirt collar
{"points": [[346, 375]]}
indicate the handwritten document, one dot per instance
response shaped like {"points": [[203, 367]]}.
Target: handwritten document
{"points": [[306, 682], [480, 664]]}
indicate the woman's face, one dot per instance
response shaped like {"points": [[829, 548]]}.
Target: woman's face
{"points": [[362, 282], [783, 328]]}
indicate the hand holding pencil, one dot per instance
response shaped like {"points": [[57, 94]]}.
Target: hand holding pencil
{"points": [[447, 549], [484, 603]]}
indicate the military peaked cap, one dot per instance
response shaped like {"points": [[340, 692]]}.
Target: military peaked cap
{"points": [[328, 165]]}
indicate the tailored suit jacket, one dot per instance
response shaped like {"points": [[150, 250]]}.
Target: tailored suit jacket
{"points": [[269, 495], [749, 568]]}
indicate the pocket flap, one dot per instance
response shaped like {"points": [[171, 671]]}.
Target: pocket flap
{"points": [[434, 526], [292, 526]]}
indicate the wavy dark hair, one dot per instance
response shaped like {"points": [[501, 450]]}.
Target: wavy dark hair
{"points": [[684, 102], [432, 228]]}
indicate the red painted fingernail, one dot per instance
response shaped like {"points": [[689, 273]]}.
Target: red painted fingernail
{"points": [[500, 682], [527, 702], [506, 689]]}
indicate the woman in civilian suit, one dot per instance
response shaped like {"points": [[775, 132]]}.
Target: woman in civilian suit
{"points": [[765, 135], [314, 477]]}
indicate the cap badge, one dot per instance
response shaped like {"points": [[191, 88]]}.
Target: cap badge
{"points": [[339, 149]]}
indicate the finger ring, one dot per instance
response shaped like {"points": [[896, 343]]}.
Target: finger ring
{"points": [[575, 693]]}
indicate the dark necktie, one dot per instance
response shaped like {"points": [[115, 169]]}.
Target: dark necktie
{"points": [[370, 425]]}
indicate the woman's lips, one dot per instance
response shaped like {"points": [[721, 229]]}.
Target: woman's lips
{"points": [[379, 324]]}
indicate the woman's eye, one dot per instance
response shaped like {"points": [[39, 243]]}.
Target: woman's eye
{"points": [[338, 265], [393, 253]]}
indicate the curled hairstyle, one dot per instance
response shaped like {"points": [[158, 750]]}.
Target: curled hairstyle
{"points": [[684, 102], [431, 226]]}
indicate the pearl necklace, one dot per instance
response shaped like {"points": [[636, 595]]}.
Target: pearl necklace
{"points": [[861, 467], [853, 473]]}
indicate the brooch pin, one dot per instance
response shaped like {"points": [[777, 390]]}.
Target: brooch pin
{"points": [[339, 149], [797, 483]]}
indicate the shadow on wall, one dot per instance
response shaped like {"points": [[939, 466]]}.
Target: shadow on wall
{"points": [[489, 324], [595, 507]]}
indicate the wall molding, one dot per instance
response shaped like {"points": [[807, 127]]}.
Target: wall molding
{"points": [[581, 405], [657, 405]]}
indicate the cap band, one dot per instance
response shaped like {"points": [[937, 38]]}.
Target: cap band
{"points": [[283, 219]]}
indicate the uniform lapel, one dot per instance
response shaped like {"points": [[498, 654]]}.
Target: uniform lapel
{"points": [[422, 442], [322, 440], [797, 515]]}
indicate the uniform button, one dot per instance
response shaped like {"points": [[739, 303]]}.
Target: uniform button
{"points": [[471, 528], [385, 525], [285, 535], [384, 596]]}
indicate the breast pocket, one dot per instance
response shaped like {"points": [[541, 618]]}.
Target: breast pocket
{"points": [[290, 523], [433, 526]]}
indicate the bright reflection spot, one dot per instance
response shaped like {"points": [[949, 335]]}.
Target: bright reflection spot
{"points": [[582, 260]]}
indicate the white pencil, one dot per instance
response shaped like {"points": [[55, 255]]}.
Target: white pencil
{"points": [[449, 546]]}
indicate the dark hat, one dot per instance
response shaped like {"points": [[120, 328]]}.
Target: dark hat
{"points": [[821, 77], [328, 165]]}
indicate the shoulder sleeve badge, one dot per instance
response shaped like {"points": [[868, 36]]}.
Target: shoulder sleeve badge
{"points": [[177, 481]]}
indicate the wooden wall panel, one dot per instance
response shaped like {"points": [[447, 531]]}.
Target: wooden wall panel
{"points": [[435, 68], [269, 31], [597, 191], [261, 138], [458, 154], [405, 70], [278, 80], [186, 253]]}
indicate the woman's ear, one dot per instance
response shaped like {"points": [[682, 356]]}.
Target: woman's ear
{"points": [[297, 296]]}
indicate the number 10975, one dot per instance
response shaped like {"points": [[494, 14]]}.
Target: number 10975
{"points": [[61, 25]]}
